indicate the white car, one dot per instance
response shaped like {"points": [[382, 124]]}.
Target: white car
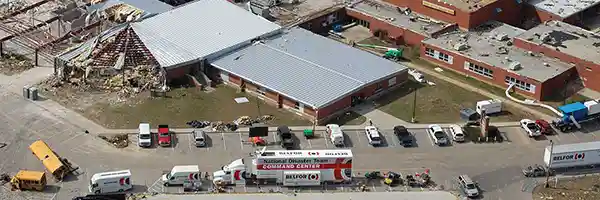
{"points": [[373, 135], [457, 133], [417, 75], [437, 134], [531, 128]]}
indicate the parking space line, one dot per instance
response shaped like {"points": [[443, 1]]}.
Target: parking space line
{"points": [[430, 139], [390, 140], [309, 144], [326, 142], [223, 139], [274, 138], [373, 186], [358, 137], [190, 142], [575, 136], [241, 144]]}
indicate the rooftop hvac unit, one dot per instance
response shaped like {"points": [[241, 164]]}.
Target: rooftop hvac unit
{"points": [[460, 46], [502, 37], [514, 66]]}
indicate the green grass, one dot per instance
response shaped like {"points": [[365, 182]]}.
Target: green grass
{"points": [[435, 104], [186, 104]]}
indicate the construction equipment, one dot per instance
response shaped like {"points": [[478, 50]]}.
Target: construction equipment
{"points": [[29, 180], [391, 53], [57, 166]]}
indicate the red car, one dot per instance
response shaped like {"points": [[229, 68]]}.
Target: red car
{"points": [[544, 126], [164, 136]]}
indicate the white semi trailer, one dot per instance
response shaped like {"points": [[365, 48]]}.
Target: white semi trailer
{"points": [[290, 168], [572, 155]]}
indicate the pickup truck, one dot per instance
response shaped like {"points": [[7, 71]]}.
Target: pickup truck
{"points": [[405, 138], [164, 136], [285, 136]]}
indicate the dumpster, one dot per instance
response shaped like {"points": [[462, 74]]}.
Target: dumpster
{"points": [[309, 133]]}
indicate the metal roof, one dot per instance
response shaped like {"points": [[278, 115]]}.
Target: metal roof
{"points": [[199, 30], [580, 147], [290, 65], [88, 45]]}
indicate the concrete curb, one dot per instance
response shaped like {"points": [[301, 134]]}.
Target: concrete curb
{"points": [[293, 128]]}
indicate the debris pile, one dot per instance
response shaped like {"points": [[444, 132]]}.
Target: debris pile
{"points": [[13, 63], [4, 178], [248, 121], [119, 141]]}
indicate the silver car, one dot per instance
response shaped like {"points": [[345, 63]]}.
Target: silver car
{"points": [[468, 186], [199, 138]]}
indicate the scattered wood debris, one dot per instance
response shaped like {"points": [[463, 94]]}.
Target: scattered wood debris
{"points": [[582, 188], [119, 141]]}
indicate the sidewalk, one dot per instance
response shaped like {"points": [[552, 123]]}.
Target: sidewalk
{"points": [[480, 91]]}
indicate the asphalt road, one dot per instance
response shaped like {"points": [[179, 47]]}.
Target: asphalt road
{"points": [[496, 167]]}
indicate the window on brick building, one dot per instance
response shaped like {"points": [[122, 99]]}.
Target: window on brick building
{"points": [[439, 55], [519, 84], [479, 70], [297, 105], [262, 90]]}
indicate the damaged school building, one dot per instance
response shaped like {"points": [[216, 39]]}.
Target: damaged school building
{"points": [[211, 42], [539, 45]]}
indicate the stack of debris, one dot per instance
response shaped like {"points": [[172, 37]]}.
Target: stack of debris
{"points": [[119, 141], [247, 121]]}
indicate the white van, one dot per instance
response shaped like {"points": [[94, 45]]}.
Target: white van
{"points": [[335, 134], [115, 181], [182, 174], [490, 106], [144, 135], [199, 138]]}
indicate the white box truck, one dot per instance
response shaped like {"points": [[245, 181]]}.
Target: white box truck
{"points": [[292, 168], [490, 106], [182, 174], [572, 155], [115, 181]]}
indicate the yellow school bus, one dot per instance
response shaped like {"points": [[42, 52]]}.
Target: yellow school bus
{"points": [[54, 164], [29, 180]]}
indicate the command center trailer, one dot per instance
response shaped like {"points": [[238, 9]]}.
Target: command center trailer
{"points": [[116, 181], [572, 155], [290, 168]]}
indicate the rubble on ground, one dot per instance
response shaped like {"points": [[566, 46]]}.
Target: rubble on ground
{"points": [[13, 63], [581, 188], [248, 121], [139, 196], [119, 141]]}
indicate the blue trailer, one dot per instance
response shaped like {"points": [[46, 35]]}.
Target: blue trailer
{"points": [[575, 114]]}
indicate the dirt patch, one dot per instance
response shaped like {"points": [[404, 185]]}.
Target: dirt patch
{"points": [[119, 141], [583, 188], [12, 64]]}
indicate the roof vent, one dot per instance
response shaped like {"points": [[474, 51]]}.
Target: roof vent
{"points": [[461, 46], [502, 37], [515, 65]]}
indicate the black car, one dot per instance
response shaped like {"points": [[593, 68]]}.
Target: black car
{"points": [[405, 138], [285, 136]]}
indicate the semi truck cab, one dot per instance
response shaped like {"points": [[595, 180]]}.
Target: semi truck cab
{"points": [[234, 172]]}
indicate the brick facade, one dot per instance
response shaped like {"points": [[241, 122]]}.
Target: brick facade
{"points": [[507, 11], [322, 114]]}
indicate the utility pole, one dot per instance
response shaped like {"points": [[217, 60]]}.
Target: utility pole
{"points": [[414, 118], [258, 106], [549, 165]]}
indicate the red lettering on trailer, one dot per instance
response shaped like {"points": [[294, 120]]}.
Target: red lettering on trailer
{"points": [[303, 166]]}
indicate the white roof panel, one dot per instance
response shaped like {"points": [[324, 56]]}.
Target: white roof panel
{"points": [[563, 8], [198, 30]]}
